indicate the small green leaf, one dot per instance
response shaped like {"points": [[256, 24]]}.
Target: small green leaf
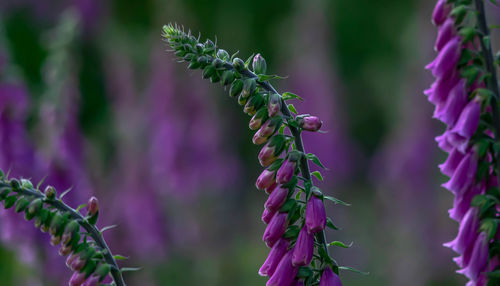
{"points": [[315, 160], [330, 224], [340, 244], [120, 257], [353, 270], [292, 232], [108, 227], [305, 272], [292, 108], [288, 206], [336, 201], [130, 269], [64, 193], [81, 207], [266, 77], [249, 60], [289, 95], [318, 175], [489, 226]]}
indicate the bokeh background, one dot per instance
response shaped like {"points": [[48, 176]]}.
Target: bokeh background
{"points": [[90, 100]]}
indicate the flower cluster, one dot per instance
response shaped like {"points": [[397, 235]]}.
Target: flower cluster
{"points": [[88, 254], [465, 101], [294, 211]]}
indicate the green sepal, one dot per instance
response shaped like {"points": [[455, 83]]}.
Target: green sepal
{"points": [[223, 55], [275, 165], [292, 232], [208, 71], [21, 204], [288, 206], [9, 201], [242, 99], [254, 103], [227, 77], [249, 87], [236, 88]]}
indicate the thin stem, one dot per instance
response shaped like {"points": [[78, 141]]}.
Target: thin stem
{"points": [[491, 81], [91, 229], [299, 145]]}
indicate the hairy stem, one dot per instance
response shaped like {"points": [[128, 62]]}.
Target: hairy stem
{"points": [[92, 230], [491, 81]]}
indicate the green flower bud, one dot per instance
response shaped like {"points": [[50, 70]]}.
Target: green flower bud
{"points": [[259, 118], [249, 87], [208, 71], [9, 201], [189, 57], [209, 47], [50, 192], [22, 204], [57, 224], [259, 64], [41, 217], [238, 64], [217, 63], [254, 103], [227, 77], [26, 184], [199, 48], [274, 104], [15, 184], [204, 61], [193, 65], [242, 100], [236, 88], [180, 53], [223, 55], [4, 192], [215, 78], [103, 270], [33, 209]]}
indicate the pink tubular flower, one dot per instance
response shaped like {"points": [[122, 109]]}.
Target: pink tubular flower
{"points": [[329, 278], [285, 272], [467, 232], [447, 59], [92, 281], [265, 180], [445, 33], [274, 257], [276, 199], [275, 229], [479, 258], [267, 215], [315, 215], [456, 101], [286, 172], [464, 174], [77, 279], [440, 13], [310, 123], [304, 248], [469, 120], [451, 163]]}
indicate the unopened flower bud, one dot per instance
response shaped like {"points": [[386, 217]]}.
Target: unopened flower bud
{"points": [[267, 215], [275, 229], [215, 78], [249, 87], [315, 215], [253, 104], [265, 179], [274, 257], [276, 199], [236, 88], [270, 126], [310, 123], [242, 100], [26, 184], [93, 206], [77, 279], [22, 204], [50, 192], [274, 104], [227, 77], [329, 278], [65, 250], [258, 139], [259, 117], [272, 150], [57, 224], [204, 61], [91, 281], [259, 64], [34, 207], [238, 64], [288, 168], [208, 71], [223, 55], [102, 271], [269, 190], [304, 248], [55, 240], [209, 46]]}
